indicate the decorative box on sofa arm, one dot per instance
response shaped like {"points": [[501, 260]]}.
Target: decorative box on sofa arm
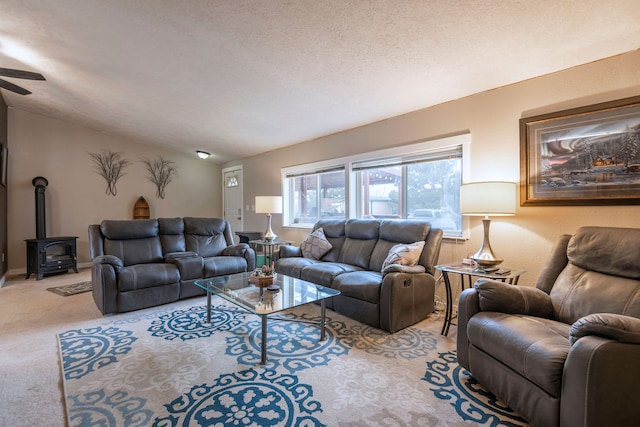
{"points": [[143, 263], [392, 299], [564, 353]]}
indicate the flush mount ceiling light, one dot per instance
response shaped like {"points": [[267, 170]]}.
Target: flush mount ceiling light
{"points": [[202, 154]]}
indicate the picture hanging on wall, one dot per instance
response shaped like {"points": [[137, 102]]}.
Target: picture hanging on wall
{"points": [[583, 156]]}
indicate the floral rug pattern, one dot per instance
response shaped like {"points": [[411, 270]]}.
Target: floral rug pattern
{"points": [[168, 367]]}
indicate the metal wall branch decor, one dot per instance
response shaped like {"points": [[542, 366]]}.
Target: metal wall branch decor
{"points": [[110, 165], [583, 156], [161, 172]]}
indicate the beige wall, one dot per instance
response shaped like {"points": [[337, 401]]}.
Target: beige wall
{"points": [[75, 196], [493, 119]]}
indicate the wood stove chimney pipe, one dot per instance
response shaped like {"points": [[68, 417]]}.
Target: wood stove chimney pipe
{"points": [[41, 184]]}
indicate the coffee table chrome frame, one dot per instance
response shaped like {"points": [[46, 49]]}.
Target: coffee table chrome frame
{"points": [[263, 342]]}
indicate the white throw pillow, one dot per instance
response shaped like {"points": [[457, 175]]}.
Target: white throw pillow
{"points": [[315, 245], [404, 254]]}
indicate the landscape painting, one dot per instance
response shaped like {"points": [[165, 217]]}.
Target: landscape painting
{"points": [[584, 156]]}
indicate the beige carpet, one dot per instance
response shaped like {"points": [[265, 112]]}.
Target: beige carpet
{"points": [[30, 318]]}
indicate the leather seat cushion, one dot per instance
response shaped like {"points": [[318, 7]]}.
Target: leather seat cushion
{"points": [[362, 285], [293, 266], [323, 273], [221, 265], [142, 276], [534, 347]]}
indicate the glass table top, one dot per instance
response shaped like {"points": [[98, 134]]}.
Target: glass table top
{"points": [[285, 293]]}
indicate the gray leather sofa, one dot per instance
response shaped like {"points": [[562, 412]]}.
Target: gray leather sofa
{"points": [[390, 301], [567, 352], [147, 262]]}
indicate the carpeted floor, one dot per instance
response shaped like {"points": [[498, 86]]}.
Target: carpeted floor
{"points": [[166, 367]]}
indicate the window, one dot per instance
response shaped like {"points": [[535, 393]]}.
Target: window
{"points": [[313, 195], [420, 180], [420, 185]]}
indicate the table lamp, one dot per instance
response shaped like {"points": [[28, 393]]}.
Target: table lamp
{"points": [[269, 205], [495, 198]]}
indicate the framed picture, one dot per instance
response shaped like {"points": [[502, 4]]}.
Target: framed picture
{"points": [[583, 156], [4, 154]]}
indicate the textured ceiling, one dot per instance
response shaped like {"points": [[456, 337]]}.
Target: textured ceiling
{"points": [[240, 77]]}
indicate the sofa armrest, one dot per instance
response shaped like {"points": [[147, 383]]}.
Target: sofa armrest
{"points": [[501, 297], [599, 381], [173, 256], [468, 306], [109, 259], [398, 268], [104, 282], [288, 251], [405, 298], [618, 327], [242, 250]]}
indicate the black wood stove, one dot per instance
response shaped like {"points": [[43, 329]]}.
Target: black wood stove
{"points": [[48, 255]]}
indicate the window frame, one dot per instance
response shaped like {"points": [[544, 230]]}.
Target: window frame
{"points": [[351, 192]]}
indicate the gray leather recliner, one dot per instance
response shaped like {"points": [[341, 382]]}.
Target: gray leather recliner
{"points": [[567, 352]]}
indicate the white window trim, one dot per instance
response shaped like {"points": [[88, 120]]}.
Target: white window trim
{"points": [[437, 144]]}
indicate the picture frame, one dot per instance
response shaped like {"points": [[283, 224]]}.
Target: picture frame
{"points": [[583, 156], [4, 160]]}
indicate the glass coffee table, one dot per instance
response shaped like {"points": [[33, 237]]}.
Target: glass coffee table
{"points": [[285, 293]]}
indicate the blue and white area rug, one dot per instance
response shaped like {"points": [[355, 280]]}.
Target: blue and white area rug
{"points": [[167, 367]]}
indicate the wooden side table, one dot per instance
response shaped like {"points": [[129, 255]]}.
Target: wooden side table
{"points": [[470, 271]]}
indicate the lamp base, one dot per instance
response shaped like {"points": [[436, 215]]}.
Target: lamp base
{"points": [[269, 235], [485, 256]]}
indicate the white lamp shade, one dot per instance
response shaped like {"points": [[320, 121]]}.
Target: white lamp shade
{"points": [[269, 204], [496, 198]]}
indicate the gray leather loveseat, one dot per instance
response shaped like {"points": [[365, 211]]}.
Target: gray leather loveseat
{"points": [[567, 352], [147, 262], [390, 300]]}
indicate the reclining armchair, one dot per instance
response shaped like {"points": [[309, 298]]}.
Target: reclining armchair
{"points": [[567, 352]]}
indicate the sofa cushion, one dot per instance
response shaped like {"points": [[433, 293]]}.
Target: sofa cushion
{"points": [[393, 232], [206, 236], [404, 254], [142, 276], [315, 245], [361, 237], [129, 229], [334, 232], [172, 234], [135, 251], [222, 265], [612, 251], [506, 298], [293, 266], [579, 292], [539, 355], [362, 285], [323, 273]]}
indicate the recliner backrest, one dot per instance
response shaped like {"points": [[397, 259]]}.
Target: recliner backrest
{"points": [[361, 236], [172, 235], [133, 241], [602, 274], [207, 236], [393, 232], [334, 232]]}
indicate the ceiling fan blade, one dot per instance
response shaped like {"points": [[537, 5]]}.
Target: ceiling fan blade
{"points": [[19, 74], [13, 88]]}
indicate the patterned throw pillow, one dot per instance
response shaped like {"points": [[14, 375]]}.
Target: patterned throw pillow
{"points": [[316, 245], [404, 254]]}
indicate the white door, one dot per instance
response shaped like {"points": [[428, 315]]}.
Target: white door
{"points": [[232, 198]]}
